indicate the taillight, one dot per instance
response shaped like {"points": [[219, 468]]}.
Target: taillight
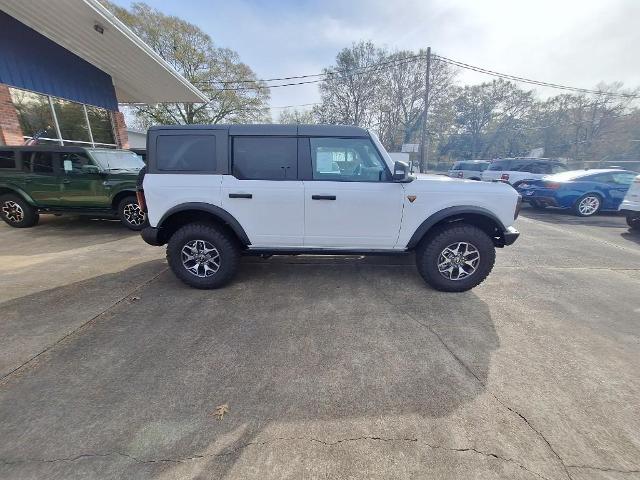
{"points": [[460, 174], [553, 185], [142, 202], [504, 177]]}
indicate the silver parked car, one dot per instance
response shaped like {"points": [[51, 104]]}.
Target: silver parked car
{"points": [[469, 169]]}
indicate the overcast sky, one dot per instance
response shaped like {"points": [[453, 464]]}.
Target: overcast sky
{"points": [[572, 42]]}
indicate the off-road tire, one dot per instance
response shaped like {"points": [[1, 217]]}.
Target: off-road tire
{"points": [[227, 248], [576, 206], [17, 212], [431, 248], [633, 220], [129, 214]]}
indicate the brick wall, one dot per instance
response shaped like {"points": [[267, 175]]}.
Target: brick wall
{"points": [[122, 139], [10, 130]]}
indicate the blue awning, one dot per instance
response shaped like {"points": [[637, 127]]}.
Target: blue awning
{"points": [[31, 61]]}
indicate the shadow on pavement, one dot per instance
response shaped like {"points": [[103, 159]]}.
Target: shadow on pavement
{"points": [[284, 343]]}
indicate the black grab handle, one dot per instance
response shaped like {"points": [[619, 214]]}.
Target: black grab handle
{"points": [[240, 195], [323, 197]]}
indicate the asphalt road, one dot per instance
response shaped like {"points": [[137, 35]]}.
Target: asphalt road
{"points": [[330, 367]]}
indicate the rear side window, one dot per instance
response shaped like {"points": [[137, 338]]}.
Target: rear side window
{"points": [[265, 158], [7, 159], [499, 165], [186, 153], [457, 166], [38, 162]]}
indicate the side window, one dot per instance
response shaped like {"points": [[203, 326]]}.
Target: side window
{"points": [[265, 158], [557, 168], [536, 167], [42, 163], [346, 160], [601, 178], [74, 163], [500, 165], [186, 153], [623, 178], [7, 159]]}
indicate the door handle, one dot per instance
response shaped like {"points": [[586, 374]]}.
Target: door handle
{"points": [[323, 197], [240, 195]]}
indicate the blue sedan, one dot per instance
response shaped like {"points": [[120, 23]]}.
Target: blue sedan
{"points": [[585, 191]]}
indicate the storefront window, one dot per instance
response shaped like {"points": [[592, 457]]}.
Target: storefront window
{"points": [[34, 113], [73, 123], [70, 120], [100, 122]]}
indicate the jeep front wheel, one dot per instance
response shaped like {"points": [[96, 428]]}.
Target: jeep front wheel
{"points": [[203, 256], [17, 212], [130, 214], [456, 258]]}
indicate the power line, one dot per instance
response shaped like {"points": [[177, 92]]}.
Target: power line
{"points": [[400, 61], [327, 73], [531, 81], [358, 71]]}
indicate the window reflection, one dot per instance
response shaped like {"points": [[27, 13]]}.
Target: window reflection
{"points": [[73, 124], [35, 116], [34, 113], [101, 127]]}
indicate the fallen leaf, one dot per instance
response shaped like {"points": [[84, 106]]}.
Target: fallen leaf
{"points": [[221, 410]]}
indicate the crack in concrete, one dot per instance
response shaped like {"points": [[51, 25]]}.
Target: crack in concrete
{"points": [[277, 439], [603, 469], [16, 370], [473, 374]]}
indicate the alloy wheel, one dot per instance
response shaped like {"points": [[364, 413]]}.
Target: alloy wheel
{"points": [[589, 205], [458, 261], [133, 214], [200, 258], [12, 211]]}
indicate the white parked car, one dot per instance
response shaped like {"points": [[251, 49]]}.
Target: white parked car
{"points": [[516, 170], [630, 206], [468, 169], [215, 192]]}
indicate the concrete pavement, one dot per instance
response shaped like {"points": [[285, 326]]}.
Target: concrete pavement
{"points": [[332, 368]]}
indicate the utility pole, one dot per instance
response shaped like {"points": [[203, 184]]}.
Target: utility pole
{"points": [[424, 143]]}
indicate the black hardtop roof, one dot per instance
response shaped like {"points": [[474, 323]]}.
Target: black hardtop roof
{"points": [[275, 130]]}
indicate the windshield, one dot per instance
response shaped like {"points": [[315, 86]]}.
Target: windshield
{"points": [[117, 160]]}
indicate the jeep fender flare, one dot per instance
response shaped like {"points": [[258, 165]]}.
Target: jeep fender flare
{"points": [[445, 213], [217, 212], [18, 191]]}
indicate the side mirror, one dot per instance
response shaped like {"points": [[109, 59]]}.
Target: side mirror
{"points": [[91, 169], [401, 172]]}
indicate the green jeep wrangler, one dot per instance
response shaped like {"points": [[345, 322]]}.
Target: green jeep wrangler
{"points": [[77, 180]]}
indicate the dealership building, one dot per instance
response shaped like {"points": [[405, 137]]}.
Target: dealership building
{"points": [[65, 65]]}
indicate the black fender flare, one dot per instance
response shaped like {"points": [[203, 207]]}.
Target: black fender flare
{"points": [[15, 190], [426, 225], [218, 212]]}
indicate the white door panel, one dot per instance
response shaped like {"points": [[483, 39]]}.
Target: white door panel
{"points": [[274, 214], [363, 215]]}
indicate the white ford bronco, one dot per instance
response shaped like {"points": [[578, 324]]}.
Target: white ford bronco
{"points": [[215, 192]]}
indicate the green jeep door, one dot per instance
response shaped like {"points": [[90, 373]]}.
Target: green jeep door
{"points": [[41, 180], [82, 183]]}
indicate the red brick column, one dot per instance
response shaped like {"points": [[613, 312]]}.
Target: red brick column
{"points": [[10, 130], [122, 139]]}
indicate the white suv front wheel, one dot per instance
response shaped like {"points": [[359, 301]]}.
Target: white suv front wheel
{"points": [[203, 256], [456, 258]]}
